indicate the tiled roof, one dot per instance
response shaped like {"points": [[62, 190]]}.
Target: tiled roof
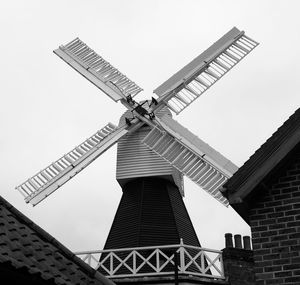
{"points": [[25, 246], [261, 163]]}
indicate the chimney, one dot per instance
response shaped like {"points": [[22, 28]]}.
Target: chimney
{"points": [[238, 260]]}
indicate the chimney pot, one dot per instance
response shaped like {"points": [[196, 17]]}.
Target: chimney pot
{"points": [[247, 242], [228, 240], [238, 241]]}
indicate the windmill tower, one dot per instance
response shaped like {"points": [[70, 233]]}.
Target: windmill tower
{"points": [[154, 150]]}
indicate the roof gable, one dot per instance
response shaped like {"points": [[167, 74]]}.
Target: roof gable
{"points": [[264, 160]]}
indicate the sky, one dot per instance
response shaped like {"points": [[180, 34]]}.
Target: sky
{"points": [[47, 108]]}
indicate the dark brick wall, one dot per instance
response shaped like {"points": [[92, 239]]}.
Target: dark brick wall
{"points": [[275, 225]]}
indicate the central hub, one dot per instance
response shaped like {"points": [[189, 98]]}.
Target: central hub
{"points": [[139, 109]]}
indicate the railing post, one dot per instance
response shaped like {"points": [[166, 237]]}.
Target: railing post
{"points": [[176, 266], [134, 262], [89, 259], [222, 265], [111, 263], [181, 255]]}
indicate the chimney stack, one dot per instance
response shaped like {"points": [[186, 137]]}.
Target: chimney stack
{"points": [[238, 260]]}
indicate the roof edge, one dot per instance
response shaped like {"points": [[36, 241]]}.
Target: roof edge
{"points": [[255, 178], [47, 237], [264, 160]]}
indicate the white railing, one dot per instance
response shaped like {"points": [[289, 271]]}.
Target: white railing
{"points": [[156, 260]]}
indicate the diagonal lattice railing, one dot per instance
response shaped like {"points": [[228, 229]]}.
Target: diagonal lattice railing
{"points": [[156, 260]]}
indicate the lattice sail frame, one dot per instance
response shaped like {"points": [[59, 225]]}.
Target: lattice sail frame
{"points": [[42, 184], [97, 70], [189, 83], [191, 156]]}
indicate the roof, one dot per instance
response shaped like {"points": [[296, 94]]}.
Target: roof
{"points": [[26, 248], [264, 160]]}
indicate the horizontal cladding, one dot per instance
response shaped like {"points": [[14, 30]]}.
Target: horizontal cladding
{"points": [[134, 159]]}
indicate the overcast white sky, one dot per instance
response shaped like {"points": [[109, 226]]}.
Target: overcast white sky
{"points": [[47, 108]]}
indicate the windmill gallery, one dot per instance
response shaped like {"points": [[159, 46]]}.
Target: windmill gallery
{"points": [[152, 239]]}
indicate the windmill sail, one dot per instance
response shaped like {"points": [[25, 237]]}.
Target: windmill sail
{"points": [[195, 78], [186, 152], [48, 180], [97, 70], [190, 155]]}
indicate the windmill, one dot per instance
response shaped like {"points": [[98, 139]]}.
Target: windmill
{"points": [[154, 151]]}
